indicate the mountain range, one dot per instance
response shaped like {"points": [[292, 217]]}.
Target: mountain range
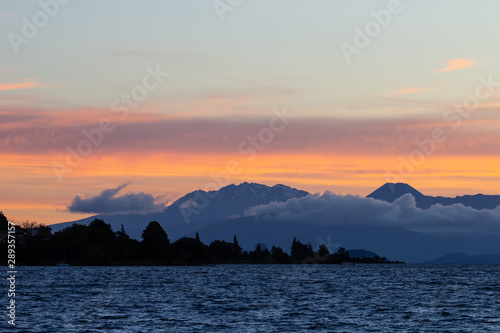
{"points": [[197, 209], [222, 214], [391, 191]]}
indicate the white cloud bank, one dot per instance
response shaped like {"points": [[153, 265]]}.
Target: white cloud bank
{"points": [[332, 209]]}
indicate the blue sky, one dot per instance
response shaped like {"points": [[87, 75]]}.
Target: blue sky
{"points": [[91, 51]]}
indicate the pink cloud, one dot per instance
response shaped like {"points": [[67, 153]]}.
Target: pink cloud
{"points": [[51, 132]]}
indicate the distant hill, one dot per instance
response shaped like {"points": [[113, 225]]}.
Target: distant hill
{"points": [[389, 192], [360, 253], [462, 258]]}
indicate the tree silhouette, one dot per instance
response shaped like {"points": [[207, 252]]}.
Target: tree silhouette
{"points": [[279, 256], [36, 230], [126, 247], [68, 244], [294, 248], [322, 253], [261, 254], [101, 234], [341, 256], [154, 234], [237, 250], [36, 237], [155, 242], [257, 255], [300, 251], [190, 251], [323, 250], [221, 251], [4, 223], [98, 244]]}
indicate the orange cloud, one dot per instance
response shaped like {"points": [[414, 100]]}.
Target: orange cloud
{"points": [[491, 105], [14, 86], [456, 64]]}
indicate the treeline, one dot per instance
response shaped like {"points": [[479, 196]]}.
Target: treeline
{"points": [[98, 244]]}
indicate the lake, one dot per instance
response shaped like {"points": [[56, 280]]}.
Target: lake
{"points": [[259, 298]]}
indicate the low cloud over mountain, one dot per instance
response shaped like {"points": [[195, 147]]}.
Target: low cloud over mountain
{"points": [[332, 209], [107, 202]]}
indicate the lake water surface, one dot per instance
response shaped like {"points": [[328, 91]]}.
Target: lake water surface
{"points": [[259, 298]]}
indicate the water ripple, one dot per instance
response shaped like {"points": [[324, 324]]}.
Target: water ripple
{"points": [[268, 298]]}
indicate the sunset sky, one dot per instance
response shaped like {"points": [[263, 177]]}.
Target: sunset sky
{"points": [[174, 96]]}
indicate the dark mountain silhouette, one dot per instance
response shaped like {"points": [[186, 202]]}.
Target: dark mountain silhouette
{"points": [[389, 192], [198, 209], [360, 253], [462, 258]]}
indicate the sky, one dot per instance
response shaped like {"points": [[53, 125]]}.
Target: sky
{"points": [[166, 97]]}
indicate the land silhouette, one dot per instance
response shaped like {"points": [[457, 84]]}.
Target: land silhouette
{"points": [[97, 244]]}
